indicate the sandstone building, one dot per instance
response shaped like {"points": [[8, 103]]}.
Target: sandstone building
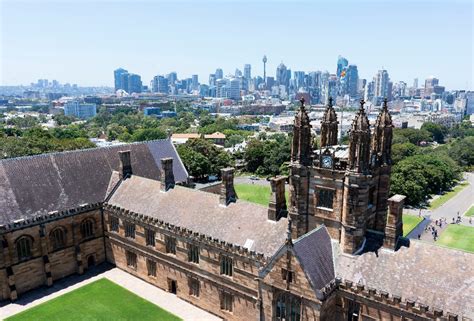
{"points": [[336, 252]]}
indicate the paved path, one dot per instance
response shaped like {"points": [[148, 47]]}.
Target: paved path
{"points": [[449, 210], [165, 300]]}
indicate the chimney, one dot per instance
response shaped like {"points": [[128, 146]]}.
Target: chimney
{"points": [[125, 169], [277, 206], [228, 194], [394, 227], [166, 175]]}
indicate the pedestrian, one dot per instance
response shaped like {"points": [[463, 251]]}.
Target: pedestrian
{"points": [[470, 220], [419, 236]]}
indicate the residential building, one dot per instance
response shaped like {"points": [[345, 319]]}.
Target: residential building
{"points": [[80, 110]]}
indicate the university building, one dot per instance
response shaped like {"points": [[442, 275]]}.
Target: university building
{"points": [[336, 252]]}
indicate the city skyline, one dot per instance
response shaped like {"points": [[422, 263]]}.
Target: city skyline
{"points": [[48, 41]]}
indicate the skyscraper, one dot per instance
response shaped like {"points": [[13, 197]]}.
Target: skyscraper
{"points": [[118, 78], [195, 82], [381, 84], [134, 84], [212, 79], [172, 78], [352, 80], [299, 80], [160, 84], [282, 75], [341, 64], [247, 71], [219, 73]]}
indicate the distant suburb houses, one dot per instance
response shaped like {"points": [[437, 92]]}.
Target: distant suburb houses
{"points": [[216, 138]]}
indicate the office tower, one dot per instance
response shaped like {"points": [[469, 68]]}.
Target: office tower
{"points": [[329, 87], [78, 110], [369, 90], [212, 79], [203, 90], [172, 78], [221, 87], [160, 85], [219, 73], [134, 84], [341, 64], [282, 75], [247, 71], [270, 82], [119, 79], [381, 84], [124, 81], [264, 60], [351, 81], [432, 87], [299, 80], [233, 88], [469, 102], [415, 83], [194, 82], [238, 72]]}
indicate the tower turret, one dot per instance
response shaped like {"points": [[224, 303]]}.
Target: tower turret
{"points": [[301, 146], [329, 126], [359, 142], [382, 138]]}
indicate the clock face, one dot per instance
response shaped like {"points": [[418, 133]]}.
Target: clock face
{"points": [[327, 162]]}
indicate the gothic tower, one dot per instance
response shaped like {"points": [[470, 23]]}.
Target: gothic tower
{"points": [[382, 162], [357, 184], [329, 126], [299, 172]]}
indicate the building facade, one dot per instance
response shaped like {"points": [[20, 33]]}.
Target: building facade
{"points": [[335, 252], [80, 110]]}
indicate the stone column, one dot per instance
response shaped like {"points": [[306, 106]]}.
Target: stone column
{"points": [[394, 228], [277, 206], [227, 194]]}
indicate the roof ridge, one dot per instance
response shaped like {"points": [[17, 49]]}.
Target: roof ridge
{"points": [[302, 237]]}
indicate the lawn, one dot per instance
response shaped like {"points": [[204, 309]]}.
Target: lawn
{"points": [[459, 237], [447, 196], [410, 222], [99, 300], [470, 211], [255, 193]]}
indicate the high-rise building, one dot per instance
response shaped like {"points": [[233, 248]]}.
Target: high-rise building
{"points": [[194, 82], [469, 102], [351, 80], [119, 79], [282, 77], [80, 110], [221, 88], [415, 83], [160, 85], [212, 79], [247, 72], [219, 73], [172, 78], [134, 84], [341, 64], [432, 87], [238, 72], [382, 84], [329, 88], [299, 77], [233, 88]]}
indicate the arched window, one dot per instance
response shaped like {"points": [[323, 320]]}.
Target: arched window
{"points": [[57, 237], [87, 228], [287, 308], [23, 247]]}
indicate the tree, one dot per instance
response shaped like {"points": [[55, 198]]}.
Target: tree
{"points": [[462, 151], [148, 134], [412, 135], [437, 131], [266, 157], [62, 120], [402, 151]]}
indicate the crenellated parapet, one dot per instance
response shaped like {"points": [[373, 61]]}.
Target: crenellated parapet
{"points": [[188, 234]]}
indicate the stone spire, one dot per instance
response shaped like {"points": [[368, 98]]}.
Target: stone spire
{"points": [[382, 139], [329, 126], [359, 142], [301, 146]]}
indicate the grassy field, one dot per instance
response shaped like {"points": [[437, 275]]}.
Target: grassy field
{"points": [[458, 237], [410, 222], [470, 211], [447, 196], [99, 300], [254, 193]]}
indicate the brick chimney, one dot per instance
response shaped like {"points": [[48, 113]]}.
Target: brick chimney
{"points": [[166, 175], [277, 206], [394, 227], [228, 194], [125, 169]]}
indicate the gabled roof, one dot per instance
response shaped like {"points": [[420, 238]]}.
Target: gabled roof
{"points": [[35, 185]]}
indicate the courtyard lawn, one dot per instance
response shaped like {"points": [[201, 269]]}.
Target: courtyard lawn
{"points": [[410, 222], [458, 237], [99, 300], [447, 196], [470, 211], [255, 193]]}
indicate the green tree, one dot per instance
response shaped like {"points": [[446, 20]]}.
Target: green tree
{"points": [[402, 151], [437, 131]]}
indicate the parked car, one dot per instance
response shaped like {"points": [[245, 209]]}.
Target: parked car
{"points": [[254, 178]]}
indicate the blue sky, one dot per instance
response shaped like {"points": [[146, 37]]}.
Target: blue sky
{"points": [[84, 41]]}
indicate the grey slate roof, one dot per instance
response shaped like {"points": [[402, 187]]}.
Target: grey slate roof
{"points": [[314, 252], [39, 184], [425, 273], [239, 223]]}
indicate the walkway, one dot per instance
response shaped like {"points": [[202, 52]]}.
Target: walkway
{"points": [[165, 300], [449, 210]]}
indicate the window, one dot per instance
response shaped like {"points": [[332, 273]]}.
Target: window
{"points": [[226, 301], [194, 287], [150, 237], [170, 244], [193, 253], [114, 224], [131, 259], [325, 198], [287, 308], [151, 267], [23, 247], [57, 238], [287, 275], [371, 196], [87, 228], [129, 230], [226, 265], [353, 310]]}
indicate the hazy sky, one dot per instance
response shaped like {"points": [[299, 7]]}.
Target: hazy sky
{"points": [[84, 41]]}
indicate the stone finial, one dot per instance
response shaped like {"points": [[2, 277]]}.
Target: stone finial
{"points": [[277, 206], [302, 101], [289, 240], [125, 169], [227, 194], [362, 103], [167, 175]]}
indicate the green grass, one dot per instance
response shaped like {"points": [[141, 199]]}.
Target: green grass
{"points": [[458, 237], [470, 211], [99, 300], [410, 222], [255, 193], [447, 196]]}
